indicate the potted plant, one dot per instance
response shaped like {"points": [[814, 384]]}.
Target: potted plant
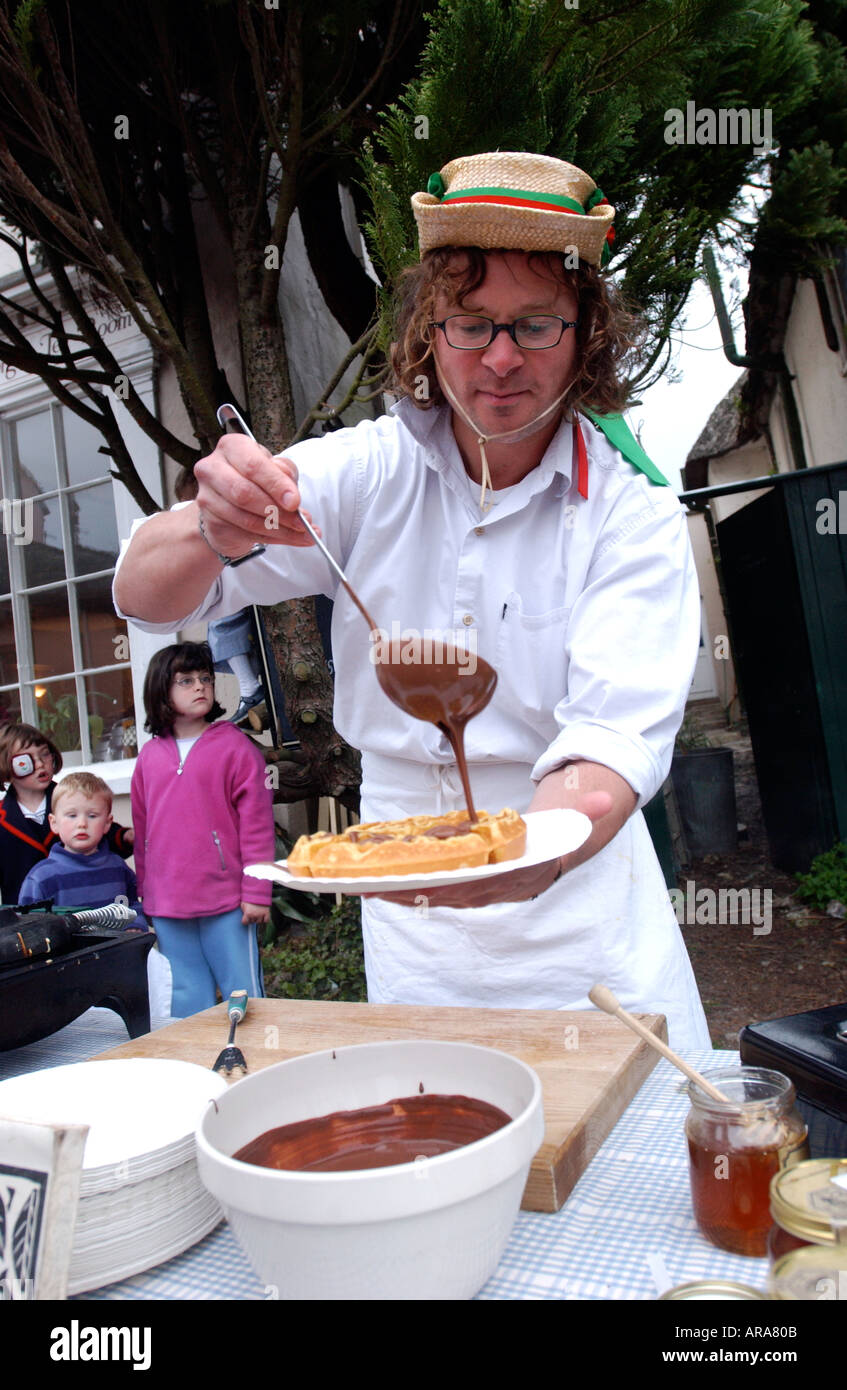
{"points": [[703, 779]]}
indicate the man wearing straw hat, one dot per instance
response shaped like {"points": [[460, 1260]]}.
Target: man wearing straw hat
{"points": [[504, 497]]}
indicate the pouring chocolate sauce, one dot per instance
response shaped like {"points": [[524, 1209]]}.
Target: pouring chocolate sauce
{"points": [[443, 692]]}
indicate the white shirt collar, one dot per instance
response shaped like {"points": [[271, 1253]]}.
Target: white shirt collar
{"points": [[433, 431]]}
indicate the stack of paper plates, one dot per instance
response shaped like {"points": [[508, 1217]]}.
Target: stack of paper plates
{"points": [[141, 1199]]}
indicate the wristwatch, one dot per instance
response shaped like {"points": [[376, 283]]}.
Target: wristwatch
{"points": [[228, 559]]}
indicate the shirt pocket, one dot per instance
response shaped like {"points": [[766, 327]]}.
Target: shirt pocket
{"points": [[531, 659]]}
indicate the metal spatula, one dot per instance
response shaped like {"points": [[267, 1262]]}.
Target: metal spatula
{"points": [[233, 1056]]}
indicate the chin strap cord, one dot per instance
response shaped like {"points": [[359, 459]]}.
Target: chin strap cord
{"points": [[485, 482], [509, 436]]}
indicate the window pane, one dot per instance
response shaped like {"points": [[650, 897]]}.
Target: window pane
{"points": [[34, 455], [94, 530], [44, 558], [102, 632], [81, 444], [57, 715], [10, 707], [8, 651], [111, 715], [52, 653], [4, 565]]}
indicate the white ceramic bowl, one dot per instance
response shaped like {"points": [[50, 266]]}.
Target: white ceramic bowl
{"points": [[432, 1229]]}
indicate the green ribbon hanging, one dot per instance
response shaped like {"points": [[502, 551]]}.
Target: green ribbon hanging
{"points": [[619, 434]]}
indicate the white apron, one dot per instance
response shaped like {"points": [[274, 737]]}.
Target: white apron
{"points": [[609, 920]]}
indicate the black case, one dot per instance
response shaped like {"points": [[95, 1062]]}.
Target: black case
{"points": [[105, 969], [811, 1049]]}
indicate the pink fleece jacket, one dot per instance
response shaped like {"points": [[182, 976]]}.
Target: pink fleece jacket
{"points": [[196, 829]]}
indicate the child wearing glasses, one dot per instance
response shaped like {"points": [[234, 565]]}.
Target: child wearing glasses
{"points": [[29, 762], [201, 810]]}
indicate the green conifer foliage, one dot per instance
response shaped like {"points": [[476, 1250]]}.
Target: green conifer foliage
{"points": [[594, 85]]}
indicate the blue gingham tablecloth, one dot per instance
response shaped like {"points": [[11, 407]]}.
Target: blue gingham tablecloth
{"points": [[626, 1232]]}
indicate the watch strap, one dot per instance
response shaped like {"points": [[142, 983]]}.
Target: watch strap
{"points": [[228, 560]]}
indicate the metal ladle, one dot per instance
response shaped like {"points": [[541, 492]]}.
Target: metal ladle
{"points": [[228, 415]]}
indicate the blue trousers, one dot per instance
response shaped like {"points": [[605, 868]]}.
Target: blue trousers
{"points": [[209, 953]]}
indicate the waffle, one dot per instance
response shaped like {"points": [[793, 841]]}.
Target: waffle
{"points": [[416, 845]]}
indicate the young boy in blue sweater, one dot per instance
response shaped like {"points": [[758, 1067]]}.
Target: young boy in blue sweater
{"points": [[81, 870]]}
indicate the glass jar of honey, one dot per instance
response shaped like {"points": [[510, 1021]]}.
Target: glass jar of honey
{"points": [[809, 1206], [735, 1147]]}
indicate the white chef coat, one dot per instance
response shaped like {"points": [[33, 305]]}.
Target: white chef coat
{"points": [[588, 608]]}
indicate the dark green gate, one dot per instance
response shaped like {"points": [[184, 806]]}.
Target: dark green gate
{"points": [[784, 572]]}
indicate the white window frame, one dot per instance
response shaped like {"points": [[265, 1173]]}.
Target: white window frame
{"points": [[21, 395], [22, 591]]}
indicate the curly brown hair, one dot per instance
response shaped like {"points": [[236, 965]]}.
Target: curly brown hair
{"points": [[607, 331]]}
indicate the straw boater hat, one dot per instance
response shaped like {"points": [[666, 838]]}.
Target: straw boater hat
{"points": [[515, 202]]}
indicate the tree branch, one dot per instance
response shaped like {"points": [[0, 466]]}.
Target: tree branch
{"points": [[366, 345], [340, 117], [169, 443]]}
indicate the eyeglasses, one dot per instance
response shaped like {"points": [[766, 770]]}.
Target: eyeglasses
{"points": [[185, 682], [471, 332]]}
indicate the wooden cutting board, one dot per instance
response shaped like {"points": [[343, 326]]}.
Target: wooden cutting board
{"points": [[590, 1065]]}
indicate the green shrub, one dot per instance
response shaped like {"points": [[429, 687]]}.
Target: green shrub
{"points": [[291, 908], [826, 880], [324, 961], [690, 736]]}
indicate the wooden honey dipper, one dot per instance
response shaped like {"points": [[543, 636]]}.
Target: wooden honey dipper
{"points": [[605, 1000]]}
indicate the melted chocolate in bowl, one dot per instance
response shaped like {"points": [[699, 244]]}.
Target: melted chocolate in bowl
{"points": [[376, 1136], [445, 693]]}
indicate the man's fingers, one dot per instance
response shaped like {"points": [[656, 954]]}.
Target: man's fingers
{"points": [[240, 486], [269, 525], [514, 885], [248, 475], [254, 459]]}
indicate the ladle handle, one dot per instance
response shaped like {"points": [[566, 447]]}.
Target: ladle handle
{"points": [[603, 997], [228, 412]]}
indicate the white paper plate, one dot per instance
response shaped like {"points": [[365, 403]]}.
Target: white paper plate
{"points": [[548, 835], [133, 1105], [149, 1223]]}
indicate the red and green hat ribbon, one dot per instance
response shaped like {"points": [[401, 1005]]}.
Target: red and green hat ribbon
{"points": [[520, 198]]}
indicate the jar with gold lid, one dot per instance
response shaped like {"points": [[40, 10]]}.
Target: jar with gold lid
{"points": [[735, 1148], [815, 1274], [713, 1291], [809, 1206]]}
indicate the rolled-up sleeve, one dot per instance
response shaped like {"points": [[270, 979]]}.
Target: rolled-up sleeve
{"points": [[632, 641]]}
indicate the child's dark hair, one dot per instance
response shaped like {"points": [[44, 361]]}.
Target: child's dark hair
{"points": [[164, 667], [17, 738]]}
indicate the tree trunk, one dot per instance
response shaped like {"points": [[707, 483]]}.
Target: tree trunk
{"points": [[330, 768]]}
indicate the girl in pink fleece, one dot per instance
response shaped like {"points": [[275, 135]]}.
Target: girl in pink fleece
{"points": [[201, 810]]}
